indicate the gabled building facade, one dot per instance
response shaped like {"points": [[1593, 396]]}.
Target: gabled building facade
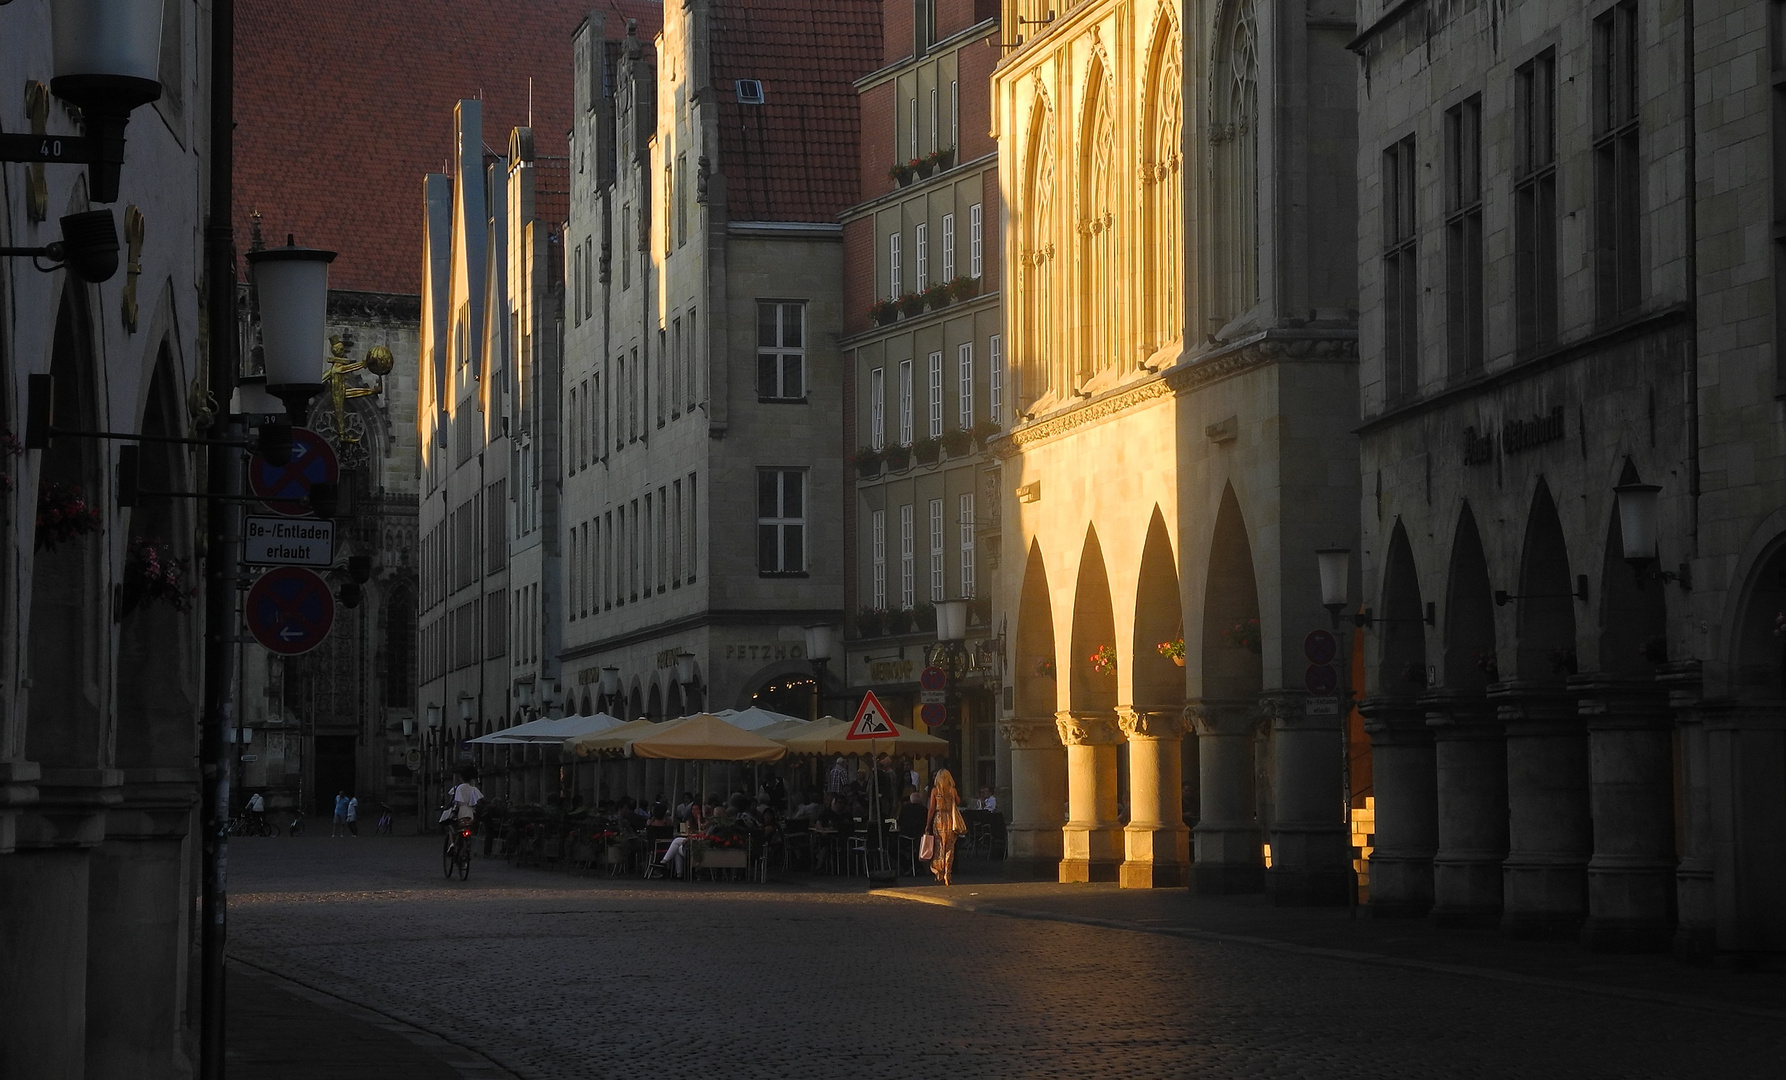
{"points": [[1180, 334], [702, 453], [924, 344]]}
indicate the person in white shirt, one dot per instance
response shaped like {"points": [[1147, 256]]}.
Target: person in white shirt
{"points": [[257, 808], [353, 815], [465, 798], [987, 801]]}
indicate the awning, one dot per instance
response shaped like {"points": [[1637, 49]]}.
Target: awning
{"points": [[753, 718], [615, 739]]}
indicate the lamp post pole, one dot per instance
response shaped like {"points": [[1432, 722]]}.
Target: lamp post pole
{"points": [[223, 477]]}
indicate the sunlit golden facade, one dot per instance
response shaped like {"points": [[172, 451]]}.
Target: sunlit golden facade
{"points": [[1179, 255]]}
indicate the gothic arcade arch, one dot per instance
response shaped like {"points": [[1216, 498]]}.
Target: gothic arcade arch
{"points": [[1156, 681], [1037, 686], [1469, 654], [1546, 611], [1233, 666], [1091, 684], [1401, 626]]}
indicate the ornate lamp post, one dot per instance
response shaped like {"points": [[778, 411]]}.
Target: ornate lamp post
{"points": [[685, 676], [610, 690]]}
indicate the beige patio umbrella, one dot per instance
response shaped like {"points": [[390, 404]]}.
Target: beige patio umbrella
{"points": [[704, 737], [829, 739], [615, 740]]}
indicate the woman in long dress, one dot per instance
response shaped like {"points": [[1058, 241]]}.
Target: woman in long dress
{"points": [[945, 825]]}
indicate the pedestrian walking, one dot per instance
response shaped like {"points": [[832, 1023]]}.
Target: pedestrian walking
{"points": [[339, 827], [838, 779], [353, 815], [945, 825]]}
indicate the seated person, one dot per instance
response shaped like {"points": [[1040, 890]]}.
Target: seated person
{"points": [[987, 800], [809, 808], [660, 815]]}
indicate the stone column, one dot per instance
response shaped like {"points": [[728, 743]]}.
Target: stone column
{"points": [[1550, 832], [1470, 766], [1038, 798], [1746, 743], [1311, 849], [1696, 920], [1405, 781], [1091, 840], [1631, 799], [138, 927], [1156, 842], [1229, 856], [43, 933]]}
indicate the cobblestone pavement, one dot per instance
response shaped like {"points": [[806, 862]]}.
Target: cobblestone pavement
{"points": [[558, 976]]}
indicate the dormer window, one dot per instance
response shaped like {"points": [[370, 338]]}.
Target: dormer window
{"points": [[750, 92]]}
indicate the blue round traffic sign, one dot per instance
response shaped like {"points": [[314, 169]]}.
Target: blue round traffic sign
{"points": [[290, 610], [1320, 647], [932, 678], [286, 488], [934, 715], [1320, 679]]}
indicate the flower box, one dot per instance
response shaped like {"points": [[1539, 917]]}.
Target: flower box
{"points": [[927, 450], [897, 457], [912, 304], [957, 443]]}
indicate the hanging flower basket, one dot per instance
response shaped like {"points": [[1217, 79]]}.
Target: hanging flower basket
{"points": [[901, 173], [1172, 650], [868, 462], [871, 622], [985, 430], [956, 442], [912, 304], [927, 450], [1103, 661], [897, 457], [1244, 635], [64, 514], [884, 312], [153, 576]]}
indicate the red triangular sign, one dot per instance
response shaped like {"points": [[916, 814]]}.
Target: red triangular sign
{"points": [[872, 721]]}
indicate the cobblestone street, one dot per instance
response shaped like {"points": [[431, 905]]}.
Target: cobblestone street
{"points": [[557, 976]]}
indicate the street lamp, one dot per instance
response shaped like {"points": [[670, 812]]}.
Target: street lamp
{"points": [[821, 641], [524, 696], [685, 677], [434, 718], [951, 621], [610, 687], [1637, 528], [107, 62], [292, 284]]}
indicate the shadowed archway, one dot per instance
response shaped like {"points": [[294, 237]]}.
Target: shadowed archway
{"points": [[1036, 665], [1401, 625], [1469, 655], [1232, 663], [1094, 633], [1546, 611], [1633, 612]]}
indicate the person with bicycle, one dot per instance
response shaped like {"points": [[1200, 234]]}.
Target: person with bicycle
{"points": [[257, 814], [462, 800]]}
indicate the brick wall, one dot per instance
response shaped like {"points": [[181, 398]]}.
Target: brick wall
{"points": [[990, 233], [858, 274], [898, 26], [876, 108], [975, 81]]}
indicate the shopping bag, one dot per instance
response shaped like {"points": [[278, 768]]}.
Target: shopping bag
{"points": [[927, 847]]}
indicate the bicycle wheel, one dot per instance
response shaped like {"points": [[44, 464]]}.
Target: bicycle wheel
{"points": [[464, 860], [297, 827], [449, 857]]}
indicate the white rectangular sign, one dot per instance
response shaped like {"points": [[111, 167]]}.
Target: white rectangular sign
{"points": [[1323, 706], [284, 541]]}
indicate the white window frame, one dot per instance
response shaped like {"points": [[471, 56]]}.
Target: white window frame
{"points": [[939, 584], [974, 227], [905, 403], [995, 379], [781, 520], [877, 533], [921, 246], [969, 583], [779, 352], [936, 395], [964, 384], [908, 592], [877, 408], [948, 252], [894, 281]]}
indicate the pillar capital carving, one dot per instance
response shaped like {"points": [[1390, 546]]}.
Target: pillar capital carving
{"points": [[1150, 723], [1222, 716], [1394, 718], [1683, 679], [1530, 705], [1030, 732], [1288, 710], [1608, 701], [1460, 714], [1087, 728]]}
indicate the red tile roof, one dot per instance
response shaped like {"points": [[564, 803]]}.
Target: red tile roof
{"points": [[794, 157], [341, 107]]}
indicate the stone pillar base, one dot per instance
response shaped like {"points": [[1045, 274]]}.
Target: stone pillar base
{"points": [[1032, 868], [1401, 887], [1307, 888], [1467, 893], [1079, 871], [1544, 901], [1226, 879], [1151, 875]]}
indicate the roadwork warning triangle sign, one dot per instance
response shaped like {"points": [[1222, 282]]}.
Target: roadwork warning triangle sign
{"points": [[872, 721]]}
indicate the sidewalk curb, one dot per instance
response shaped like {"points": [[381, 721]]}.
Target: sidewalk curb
{"points": [[468, 1063], [1648, 997]]}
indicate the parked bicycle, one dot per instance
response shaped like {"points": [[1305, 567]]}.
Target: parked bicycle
{"points": [[386, 821], [297, 825], [251, 826]]}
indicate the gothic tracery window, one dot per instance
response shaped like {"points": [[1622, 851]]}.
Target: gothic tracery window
{"points": [[1097, 263], [1235, 135], [1036, 259], [1162, 192]]}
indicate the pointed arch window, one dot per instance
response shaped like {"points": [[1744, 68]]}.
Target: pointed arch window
{"points": [[1235, 135], [1097, 250], [1036, 266], [1162, 195]]}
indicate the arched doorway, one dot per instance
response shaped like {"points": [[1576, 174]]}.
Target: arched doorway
{"points": [[1397, 785], [1038, 764], [1234, 805], [1096, 758], [1157, 840], [1549, 830]]}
